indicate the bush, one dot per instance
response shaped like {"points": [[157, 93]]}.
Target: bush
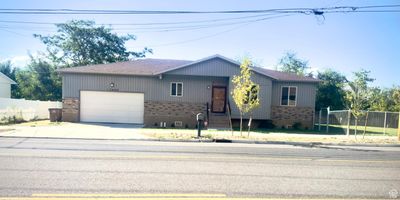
{"points": [[267, 124], [296, 125]]}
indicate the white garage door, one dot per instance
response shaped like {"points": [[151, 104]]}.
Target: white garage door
{"points": [[113, 107]]}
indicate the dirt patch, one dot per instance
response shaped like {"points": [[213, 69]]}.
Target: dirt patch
{"points": [[6, 130]]}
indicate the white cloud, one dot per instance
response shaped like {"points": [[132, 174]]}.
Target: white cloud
{"points": [[18, 61]]}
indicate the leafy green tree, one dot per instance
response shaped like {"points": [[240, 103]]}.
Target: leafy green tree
{"points": [[245, 91], [7, 69], [330, 91], [39, 81], [358, 95], [290, 63], [380, 99], [79, 42], [395, 95]]}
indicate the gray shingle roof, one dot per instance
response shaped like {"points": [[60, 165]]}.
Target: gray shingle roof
{"points": [[144, 67], [284, 76], [151, 67]]}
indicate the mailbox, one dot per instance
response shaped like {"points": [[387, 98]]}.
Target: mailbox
{"points": [[199, 119]]}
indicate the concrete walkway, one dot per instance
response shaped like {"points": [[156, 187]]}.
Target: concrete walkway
{"points": [[75, 130], [45, 129]]}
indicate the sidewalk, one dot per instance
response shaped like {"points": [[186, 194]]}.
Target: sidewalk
{"points": [[45, 129], [74, 130]]}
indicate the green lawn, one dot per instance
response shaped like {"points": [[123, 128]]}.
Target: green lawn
{"points": [[333, 130], [370, 130]]}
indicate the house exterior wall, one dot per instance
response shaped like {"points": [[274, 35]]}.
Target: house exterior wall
{"points": [[194, 88], [303, 112], [305, 93], [157, 112], [197, 80], [5, 90], [219, 67], [160, 106]]}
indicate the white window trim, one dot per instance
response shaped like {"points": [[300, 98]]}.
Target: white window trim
{"points": [[170, 89], [280, 97]]}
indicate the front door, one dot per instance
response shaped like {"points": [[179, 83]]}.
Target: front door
{"points": [[218, 99]]}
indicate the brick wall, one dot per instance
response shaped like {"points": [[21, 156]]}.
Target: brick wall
{"points": [[169, 112], [288, 115], [70, 110]]}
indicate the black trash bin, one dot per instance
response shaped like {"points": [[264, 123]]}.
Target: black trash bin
{"points": [[55, 114]]}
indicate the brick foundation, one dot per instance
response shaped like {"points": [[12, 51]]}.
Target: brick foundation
{"points": [[286, 116], [70, 110], [169, 112]]}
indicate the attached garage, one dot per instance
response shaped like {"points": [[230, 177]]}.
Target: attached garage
{"points": [[111, 107]]}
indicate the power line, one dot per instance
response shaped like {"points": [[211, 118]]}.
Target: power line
{"points": [[175, 12], [215, 34], [140, 24], [169, 28]]}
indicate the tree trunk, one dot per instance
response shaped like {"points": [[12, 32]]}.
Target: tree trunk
{"points": [[241, 124], [355, 131], [248, 131]]}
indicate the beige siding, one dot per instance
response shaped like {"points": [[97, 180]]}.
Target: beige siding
{"points": [[305, 93]]}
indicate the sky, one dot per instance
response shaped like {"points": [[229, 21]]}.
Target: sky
{"points": [[345, 42]]}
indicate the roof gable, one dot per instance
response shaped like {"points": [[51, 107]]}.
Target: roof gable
{"points": [[6, 79], [200, 61], [276, 75]]}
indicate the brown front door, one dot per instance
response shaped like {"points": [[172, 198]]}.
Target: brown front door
{"points": [[218, 99]]}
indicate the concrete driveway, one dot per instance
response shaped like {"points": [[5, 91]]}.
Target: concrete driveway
{"points": [[75, 130]]}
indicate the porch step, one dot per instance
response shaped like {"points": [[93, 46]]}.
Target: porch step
{"points": [[218, 121]]}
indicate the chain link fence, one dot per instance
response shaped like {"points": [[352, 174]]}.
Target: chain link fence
{"points": [[369, 122]]}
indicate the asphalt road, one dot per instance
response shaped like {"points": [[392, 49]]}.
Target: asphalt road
{"points": [[65, 168]]}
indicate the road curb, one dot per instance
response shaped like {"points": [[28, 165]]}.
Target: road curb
{"points": [[205, 140]]}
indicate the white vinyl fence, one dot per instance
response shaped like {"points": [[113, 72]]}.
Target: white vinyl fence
{"points": [[26, 109]]}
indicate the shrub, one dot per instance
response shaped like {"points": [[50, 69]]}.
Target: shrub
{"points": [[296, 125], [267, 124]]}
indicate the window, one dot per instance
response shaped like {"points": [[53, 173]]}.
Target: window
{"points": [[289, 96], [252, 95], [176, 89]]}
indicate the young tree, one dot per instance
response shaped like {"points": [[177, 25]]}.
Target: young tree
{"points": [[81, 42], [330, 91], [245, 91], [290, 63], [358, 95]]}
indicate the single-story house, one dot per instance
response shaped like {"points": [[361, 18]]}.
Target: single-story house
{"points": [[165, 92], [5, 86]]}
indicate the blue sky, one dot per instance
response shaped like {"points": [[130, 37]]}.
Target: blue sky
{"points": [[343, 42]]}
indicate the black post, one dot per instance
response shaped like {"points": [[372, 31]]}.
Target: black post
{"points": [[198, 128], [200, 119]]}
